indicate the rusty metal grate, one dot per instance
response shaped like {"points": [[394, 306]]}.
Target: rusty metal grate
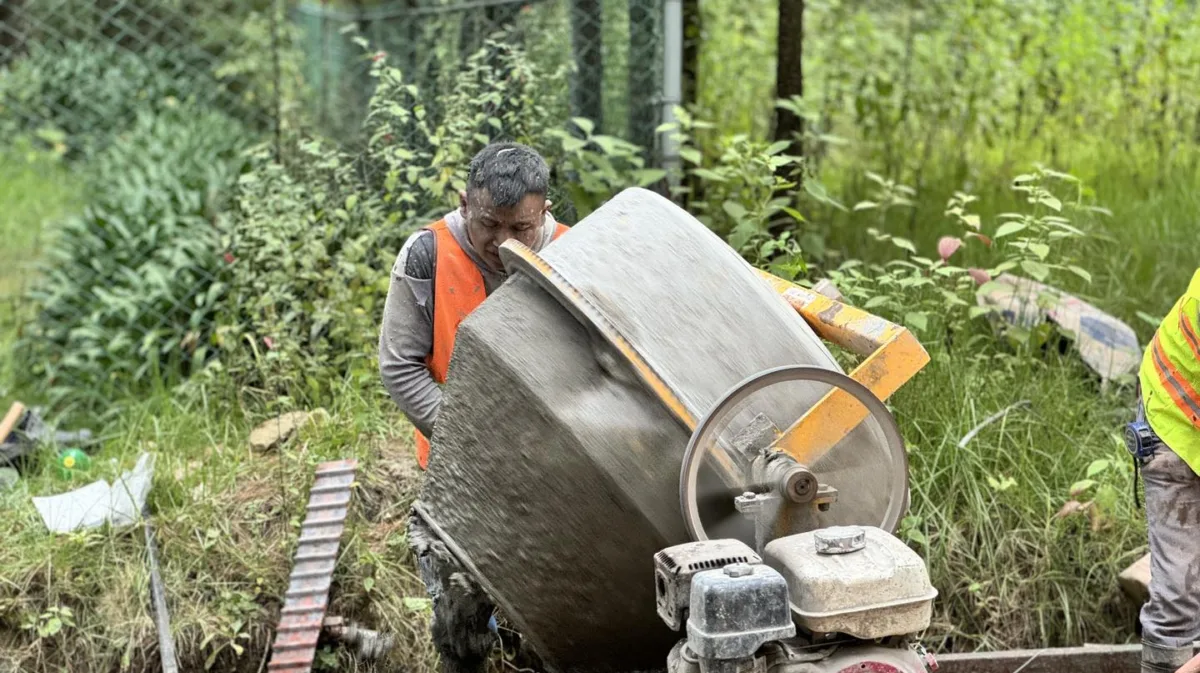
{"points": [[312, 573]]}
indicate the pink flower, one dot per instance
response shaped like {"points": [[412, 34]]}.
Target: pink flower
{"points": [[979, 275], [947, 246], [229, 258], [269, 342]]}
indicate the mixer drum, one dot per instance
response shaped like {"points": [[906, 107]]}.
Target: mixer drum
{"points": [[554, 471]]}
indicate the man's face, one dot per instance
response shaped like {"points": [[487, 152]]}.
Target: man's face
{"points": [[489, 225]]}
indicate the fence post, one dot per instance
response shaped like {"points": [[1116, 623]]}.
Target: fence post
{"points": [[672, 82]]}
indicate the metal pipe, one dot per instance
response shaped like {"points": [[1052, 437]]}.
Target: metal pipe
{"points": [[672, 83]]}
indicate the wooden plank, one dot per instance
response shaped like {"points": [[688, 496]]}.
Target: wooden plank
{"points": [[15, 412], [1086, 659], [1135, 580]]}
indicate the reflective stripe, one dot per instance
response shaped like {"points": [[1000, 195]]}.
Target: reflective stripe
{"points": [[1184, 396], [1189, 335]]}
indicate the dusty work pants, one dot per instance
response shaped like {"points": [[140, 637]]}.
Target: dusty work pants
{"points": [[464, 629], [1171, 618]]}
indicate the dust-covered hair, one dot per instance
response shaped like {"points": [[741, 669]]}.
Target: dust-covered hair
{"points": [[509, 172]]}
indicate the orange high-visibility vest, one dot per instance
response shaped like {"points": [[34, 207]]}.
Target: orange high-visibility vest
{"points": [[1170, 377], [457, 290]]}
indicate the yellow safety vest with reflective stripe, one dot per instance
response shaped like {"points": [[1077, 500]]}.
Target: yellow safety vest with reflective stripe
{"points": [[1170, 377]]}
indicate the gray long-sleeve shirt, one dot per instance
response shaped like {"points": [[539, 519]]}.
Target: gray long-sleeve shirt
{"points": [[406, 335]]}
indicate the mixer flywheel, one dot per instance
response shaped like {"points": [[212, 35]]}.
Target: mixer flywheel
{"points": [[862, 479]]}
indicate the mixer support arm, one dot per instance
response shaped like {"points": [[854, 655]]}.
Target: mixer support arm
{"points": [[893, 356]]}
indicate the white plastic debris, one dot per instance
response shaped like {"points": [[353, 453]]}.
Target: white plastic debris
{"points": [[98, 502]]}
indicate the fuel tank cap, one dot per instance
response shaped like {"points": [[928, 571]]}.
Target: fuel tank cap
{"points": [[840, 539]]}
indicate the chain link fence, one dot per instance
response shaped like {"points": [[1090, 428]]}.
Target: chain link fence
{"points": [[613, 47], [157, 96]]}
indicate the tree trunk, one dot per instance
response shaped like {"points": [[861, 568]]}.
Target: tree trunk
{"points": [[693, 23], [789, 72]]}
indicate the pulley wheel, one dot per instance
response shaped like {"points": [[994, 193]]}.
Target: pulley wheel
{"points": [[866, 471]]}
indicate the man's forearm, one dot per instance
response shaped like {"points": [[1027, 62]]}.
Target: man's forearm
{"points": [[405, 339], [415, 392]]}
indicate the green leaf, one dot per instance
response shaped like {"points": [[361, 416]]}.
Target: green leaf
{"points": [[778, 147], [572, 144], [1040, 249], [585, 125], [917, 536], [865, 205], [1081, 486], [1024, 178], [1106, 497], [606, 143], [976, 311], [1038, 270], [794, 214], [817, 190], [1009, 228], [691, 155], [417, 604], [972, 221], [368, 584], [917, 321], [734, 209], [1051, 202], [53, 626], [1001, 484], [877, 301], [649, 176], [905, 244], [705, 174], [1096, 467], [1082, 273]]}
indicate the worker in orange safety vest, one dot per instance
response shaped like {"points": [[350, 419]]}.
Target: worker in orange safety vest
{"points": [[1164, 439], [445, 270]]}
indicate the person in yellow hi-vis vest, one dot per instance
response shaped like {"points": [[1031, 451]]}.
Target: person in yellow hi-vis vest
{"points": [[1165, 442]]}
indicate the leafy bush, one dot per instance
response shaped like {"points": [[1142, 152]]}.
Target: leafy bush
{"points": [[309, 254], [313, 239], [128, 289], [933, 296], [93, 91]]}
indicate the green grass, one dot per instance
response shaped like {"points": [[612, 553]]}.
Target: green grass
{"points": [[226, 519], [1010, 574], [34, 190]]}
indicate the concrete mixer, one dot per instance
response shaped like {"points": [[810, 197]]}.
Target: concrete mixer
{"points": [[641, 434]]}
